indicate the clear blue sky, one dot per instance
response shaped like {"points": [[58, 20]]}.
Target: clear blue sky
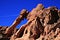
{"points": [[10, 9]]}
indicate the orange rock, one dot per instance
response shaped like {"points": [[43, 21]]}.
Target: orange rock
{"points": [[43, 24]]}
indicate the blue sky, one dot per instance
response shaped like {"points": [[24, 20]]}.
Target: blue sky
{"points": [[10, 9]]}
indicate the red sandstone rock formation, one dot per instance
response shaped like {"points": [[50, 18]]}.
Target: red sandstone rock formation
{"points": [[43, 24]]}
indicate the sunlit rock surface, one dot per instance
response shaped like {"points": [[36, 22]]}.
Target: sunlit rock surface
{"points": [[43, 24]]}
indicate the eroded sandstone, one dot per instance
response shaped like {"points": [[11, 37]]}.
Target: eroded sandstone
{"points": [[43, 24]]}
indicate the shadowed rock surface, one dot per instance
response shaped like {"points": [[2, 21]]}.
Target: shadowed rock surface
{"points": [[43, 24]]}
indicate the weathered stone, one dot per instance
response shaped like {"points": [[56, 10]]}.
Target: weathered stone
{"points": [[43, 24]]}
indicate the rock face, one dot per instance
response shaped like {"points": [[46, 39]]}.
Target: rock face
{"points": [[43, 24], [3, 36]]}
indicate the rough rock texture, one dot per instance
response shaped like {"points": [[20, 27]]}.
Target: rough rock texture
{"points": [[43, 24], [3, 36]]}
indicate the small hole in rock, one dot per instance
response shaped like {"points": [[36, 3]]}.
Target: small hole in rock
{"points": [[31, 33], [26, 32]]}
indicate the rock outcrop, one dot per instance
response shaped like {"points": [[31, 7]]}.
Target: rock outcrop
{"points": [[3, 36], [43, 24]]}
